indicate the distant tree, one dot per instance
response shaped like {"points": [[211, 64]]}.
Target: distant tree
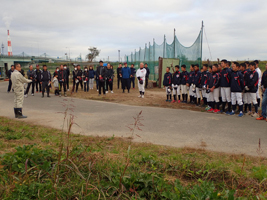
{"points": [[93, 53]]}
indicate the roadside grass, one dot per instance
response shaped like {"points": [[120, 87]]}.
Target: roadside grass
{"points": [[44, 163]]}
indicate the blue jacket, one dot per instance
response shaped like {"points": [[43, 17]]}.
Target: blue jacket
{"points": [[167, 81], [184, 77], [253, 80], [237, 82], [204, 78], [197, 79], [176, 78], [225, 77], [91, 73], [133, 72], [126, 72], [213, 79], [191, 78]]}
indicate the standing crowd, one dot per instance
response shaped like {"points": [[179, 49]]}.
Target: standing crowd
{"points": [[227, 83]]}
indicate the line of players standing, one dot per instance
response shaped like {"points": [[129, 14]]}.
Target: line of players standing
{"points": [[219, 85]]}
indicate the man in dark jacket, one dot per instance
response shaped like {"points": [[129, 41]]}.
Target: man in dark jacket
{"points": [[38, 73], [45, 81], [204, 77], [132, 76], [119, 76], [101, 73], [62, 78], [9, 77], [67, 74], [264, 98], [109, 79], [32, 76], [125, 72], [147, 74]]}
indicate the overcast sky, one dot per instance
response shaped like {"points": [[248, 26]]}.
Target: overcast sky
{"points": [[235, 29]]}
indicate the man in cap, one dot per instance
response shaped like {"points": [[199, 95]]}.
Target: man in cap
{"points": [[101, 72], [18, 85]]}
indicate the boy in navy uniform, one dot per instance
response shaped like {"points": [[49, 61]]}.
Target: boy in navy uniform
{"points": [[176, 81], [184, 78], [213, 83], [132, 76], [204, 77], [197, 85], [190, 83], [264, 92], [237, 86], [167, 82], [245, 73], [225, 85], [251, 85]]}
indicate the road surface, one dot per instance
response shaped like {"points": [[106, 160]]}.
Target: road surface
{"points": [[171, 127]]}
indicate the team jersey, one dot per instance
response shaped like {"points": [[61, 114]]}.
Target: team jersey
{"points": [[237, 81], [176, 78]]}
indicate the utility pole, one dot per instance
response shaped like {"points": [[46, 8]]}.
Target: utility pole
{"points": [[119, 55]]}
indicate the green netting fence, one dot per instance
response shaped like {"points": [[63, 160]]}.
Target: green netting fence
{"points": [[151, 53]]}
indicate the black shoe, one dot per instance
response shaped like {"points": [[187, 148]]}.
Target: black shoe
{"points": [[48, 96], [16, 112], [20, 115]]}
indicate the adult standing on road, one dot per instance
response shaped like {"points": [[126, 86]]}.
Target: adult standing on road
{"points": [[147, 74], [62, 77], [38, 73], [91, 77], [141, 76], [18, 85], [67, 74], [9, 77], [32, 76], [45, 81], [125, 72], [101, 73], [119, 76]]}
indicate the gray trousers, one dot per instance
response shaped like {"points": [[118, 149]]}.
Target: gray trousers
{"points": [[91, 83]]}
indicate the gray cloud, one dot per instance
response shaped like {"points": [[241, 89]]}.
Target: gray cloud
{"points": [[235, 29]]}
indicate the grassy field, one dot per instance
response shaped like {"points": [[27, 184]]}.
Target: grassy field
{"points": [[42, 163]]}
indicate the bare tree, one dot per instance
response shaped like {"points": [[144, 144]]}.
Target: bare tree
{"points": [[93, 53]]}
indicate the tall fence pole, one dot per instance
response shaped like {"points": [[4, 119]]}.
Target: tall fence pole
{"points": [[164, 46]]}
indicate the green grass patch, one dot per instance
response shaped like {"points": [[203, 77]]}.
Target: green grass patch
{"points": [[44, 163]]}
